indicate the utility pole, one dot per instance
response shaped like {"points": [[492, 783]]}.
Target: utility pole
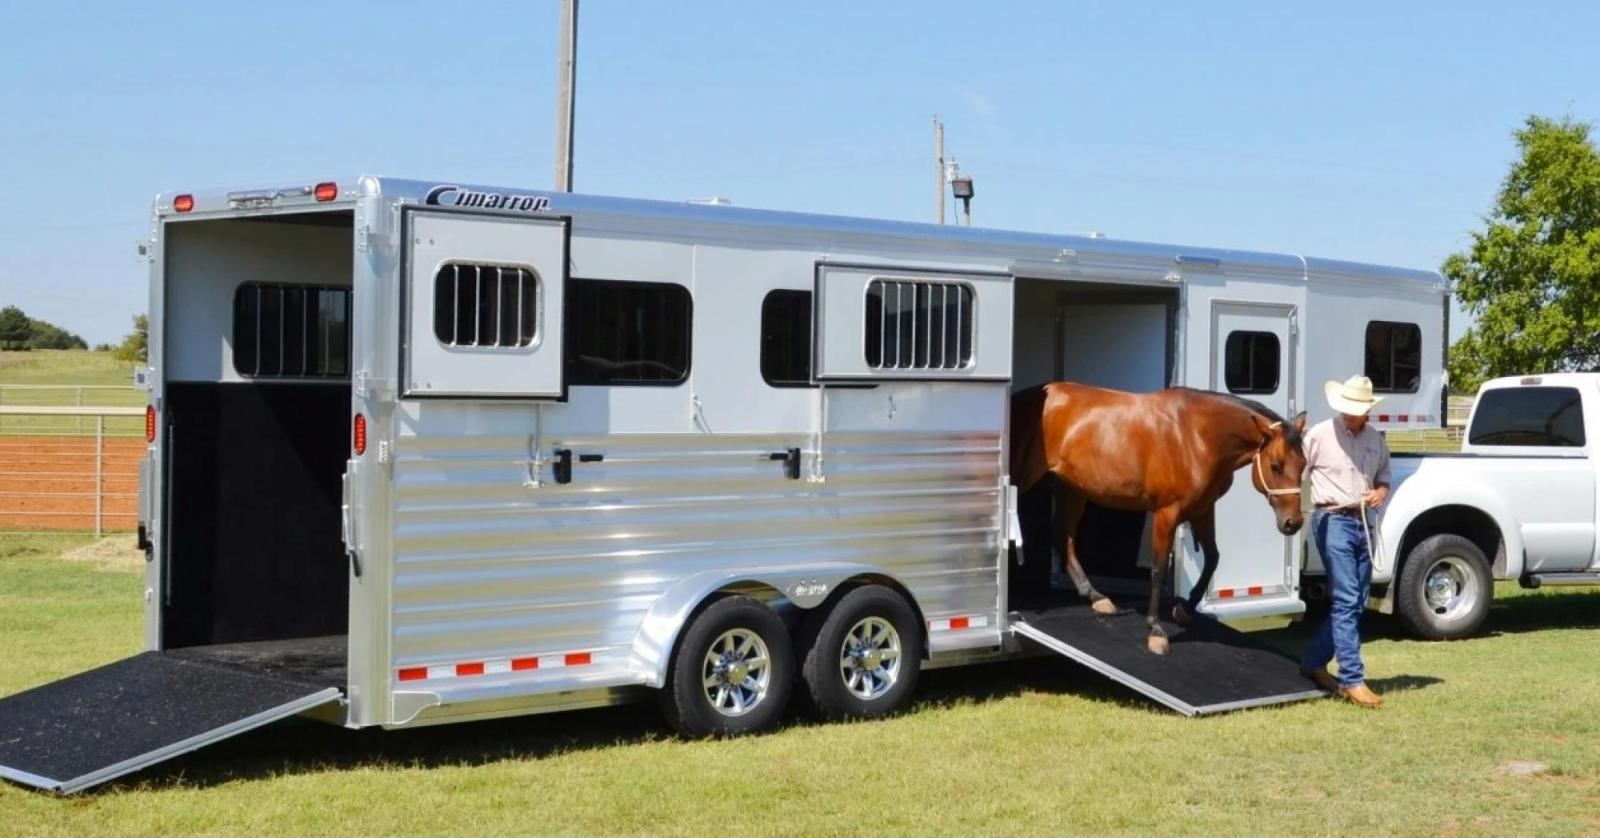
{"points": [[938, 170], [566, 75]]}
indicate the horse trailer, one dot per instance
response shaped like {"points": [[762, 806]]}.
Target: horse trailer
{"points": [[425, 452]]}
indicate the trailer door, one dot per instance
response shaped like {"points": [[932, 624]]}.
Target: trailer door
{"points": [[1253, 356], [483, 296]]}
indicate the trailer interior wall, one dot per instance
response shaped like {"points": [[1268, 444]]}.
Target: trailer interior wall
{"points": [[1105, 335], [253, 549]]}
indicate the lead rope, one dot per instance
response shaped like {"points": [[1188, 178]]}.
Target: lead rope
{"points": [[1373, 544]]}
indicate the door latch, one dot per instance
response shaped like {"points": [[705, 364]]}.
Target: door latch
{"points": [[791, 462]]}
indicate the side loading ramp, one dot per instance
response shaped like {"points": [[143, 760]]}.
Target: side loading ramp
{"points": [[1210, 668], [89, 728]]}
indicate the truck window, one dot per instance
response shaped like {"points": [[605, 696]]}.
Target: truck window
{"points": [[1394, 356], [485, 305], [1545, 416], [786, 338], [627, 333], [918, 325], [291, 331], [1250, 362]]}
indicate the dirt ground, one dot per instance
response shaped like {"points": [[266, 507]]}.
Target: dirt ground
{"points": [[48, 482]]}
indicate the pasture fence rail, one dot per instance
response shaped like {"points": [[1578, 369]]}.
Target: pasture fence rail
{"points": [[44, 466]]}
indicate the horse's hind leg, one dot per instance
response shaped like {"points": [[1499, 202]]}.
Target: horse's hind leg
{"points": [[1071, 504], [1204, 525], [1166, 522]]}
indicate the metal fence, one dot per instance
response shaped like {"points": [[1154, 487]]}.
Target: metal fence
{"points": [[69, 467]]}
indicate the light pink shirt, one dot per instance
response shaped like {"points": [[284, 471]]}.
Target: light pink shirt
{"points": [[1344, 466]]}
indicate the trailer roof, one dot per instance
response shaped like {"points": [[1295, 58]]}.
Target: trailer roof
{"points": [[837, 226]]}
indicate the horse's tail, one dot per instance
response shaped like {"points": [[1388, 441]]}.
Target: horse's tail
{"points": [[1027, 436]]}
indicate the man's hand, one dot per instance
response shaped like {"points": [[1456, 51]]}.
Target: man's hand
{"points": [[1376, 497]]}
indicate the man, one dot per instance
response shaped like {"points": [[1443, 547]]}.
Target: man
{"points": [[1348, 464]]}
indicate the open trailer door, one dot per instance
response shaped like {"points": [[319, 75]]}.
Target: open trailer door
{"points": [[92, 727]]}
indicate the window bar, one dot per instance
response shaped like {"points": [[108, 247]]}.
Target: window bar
{"points": [[455, 305], [912, 287], [259, 305], [883, 324], [281, 303], [944, 327], [477, 304], [305, 330], [961, 331], [499, 299], [520, 272]]}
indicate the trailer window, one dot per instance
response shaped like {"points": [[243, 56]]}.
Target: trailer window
{"points": [[1394, 356], [1250, 362], [291, 331], [627, 333], [485, 305], [786, 338], [918, 325], [1542, 416]]}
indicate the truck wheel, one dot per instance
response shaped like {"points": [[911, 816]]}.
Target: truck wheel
{"points": [[862, 655], [1445, 588], [731, 672]]}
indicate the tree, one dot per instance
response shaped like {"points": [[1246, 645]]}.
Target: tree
{"points": [[1532, 276], [45, 335], [136, 346], [15, 328]]}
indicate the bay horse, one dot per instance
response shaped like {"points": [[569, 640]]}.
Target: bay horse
{"points": [[1172, 452]]}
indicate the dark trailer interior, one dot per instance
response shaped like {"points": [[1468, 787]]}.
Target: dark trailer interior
{"points": [[255, 430]]}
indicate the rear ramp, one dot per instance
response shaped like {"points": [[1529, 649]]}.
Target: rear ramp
{"points": [[1210, 668], [86, 729]]}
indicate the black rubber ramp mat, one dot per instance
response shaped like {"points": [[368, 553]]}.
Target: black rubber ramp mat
{"points": [[1210, 668], [98, 725]]}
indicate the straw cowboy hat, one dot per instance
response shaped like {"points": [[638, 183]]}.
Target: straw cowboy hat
{"points": [[1353, 397]]}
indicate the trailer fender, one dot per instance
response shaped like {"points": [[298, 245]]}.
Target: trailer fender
{"points": [[806, 587]]}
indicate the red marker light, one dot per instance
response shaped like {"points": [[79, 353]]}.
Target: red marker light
{"points": [[327, 191], [361, 434], [150, 423], [183, 203]]}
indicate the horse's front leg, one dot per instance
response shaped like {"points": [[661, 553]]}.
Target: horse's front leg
{"points": [[1166, 522], [1071, 506], [1204, 525]]}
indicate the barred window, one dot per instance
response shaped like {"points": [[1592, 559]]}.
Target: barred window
{"points": [[1250, 362], [291, 331], [918, 325], [1394, 356], [485, 305]]}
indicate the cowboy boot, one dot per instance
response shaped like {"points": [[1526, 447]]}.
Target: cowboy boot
{"points": [[1361, 696]]}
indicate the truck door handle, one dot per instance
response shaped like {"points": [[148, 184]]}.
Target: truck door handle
{"points": [[791, 462], [591, 458]]}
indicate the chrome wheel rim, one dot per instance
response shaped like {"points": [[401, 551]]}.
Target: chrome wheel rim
{"points": [[869, 658], [737, 672], [1449, 589]]}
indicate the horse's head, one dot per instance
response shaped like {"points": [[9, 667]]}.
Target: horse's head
{"points": [[1277, 468]]}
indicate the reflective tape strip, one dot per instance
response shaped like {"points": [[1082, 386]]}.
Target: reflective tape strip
{"points": [[1234, 593], [499, 666], [970, 621]]}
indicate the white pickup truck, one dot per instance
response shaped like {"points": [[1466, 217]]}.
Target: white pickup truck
{"points": [[1518, 502]]}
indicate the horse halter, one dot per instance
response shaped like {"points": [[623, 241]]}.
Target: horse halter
{"points": [[1262, 475]]}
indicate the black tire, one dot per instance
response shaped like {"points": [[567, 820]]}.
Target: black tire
{"points": [[692, 707], [1463, 586], [862, 692]]}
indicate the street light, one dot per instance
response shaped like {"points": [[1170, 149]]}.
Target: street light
{"points": [[961, 187]]}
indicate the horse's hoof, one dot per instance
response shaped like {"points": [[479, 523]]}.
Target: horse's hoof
{"points": [[1104, 606], [1181, 615], [1156, 644]]}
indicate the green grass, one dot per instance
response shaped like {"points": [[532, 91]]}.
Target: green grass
{"points": [[1031, 747], [74, 368]]}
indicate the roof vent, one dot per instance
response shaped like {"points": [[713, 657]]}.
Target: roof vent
{"points": [[713, 201]]}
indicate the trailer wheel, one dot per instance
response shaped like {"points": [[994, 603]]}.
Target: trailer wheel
{"points": [[862, 656], [1445, 588], [732, 671]]}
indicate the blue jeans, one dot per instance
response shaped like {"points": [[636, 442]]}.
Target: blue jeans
{"points": [[1343, 546]]}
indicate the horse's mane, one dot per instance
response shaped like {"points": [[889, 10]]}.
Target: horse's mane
{"points": [[1291, 435]]}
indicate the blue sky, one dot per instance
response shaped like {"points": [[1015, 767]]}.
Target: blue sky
{"points": [[1368, 131]]}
